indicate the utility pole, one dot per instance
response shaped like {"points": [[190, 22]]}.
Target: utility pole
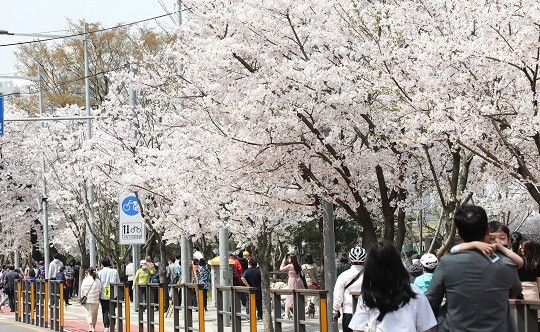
{"points": [[90, 190]]}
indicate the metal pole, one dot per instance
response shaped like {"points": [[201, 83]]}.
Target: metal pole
{"points": [[135, 248], [92, 244], [44, 192], [136, 255], [224, 272], [329, 256]]}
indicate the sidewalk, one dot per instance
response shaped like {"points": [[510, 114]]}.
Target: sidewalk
{"points": [[75, 321]]}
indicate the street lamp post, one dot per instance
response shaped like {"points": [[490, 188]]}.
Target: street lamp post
{"points": [[84, 38]]}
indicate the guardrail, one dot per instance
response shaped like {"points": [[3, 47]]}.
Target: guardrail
{"points": [[299, 302], [36, 305], [525, 313], [192, 296], [119, 310], [235, 311]]}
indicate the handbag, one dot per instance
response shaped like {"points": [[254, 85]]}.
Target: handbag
{"points": [[85, 297]]}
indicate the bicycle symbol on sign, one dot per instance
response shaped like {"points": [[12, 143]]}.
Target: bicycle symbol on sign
{"points": [[130, 206]]}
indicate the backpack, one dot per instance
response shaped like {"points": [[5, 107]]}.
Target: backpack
{"points": [[154, 278], [176, 275]]}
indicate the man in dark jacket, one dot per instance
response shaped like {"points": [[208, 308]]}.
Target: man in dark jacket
{"points": [[9, 280]]}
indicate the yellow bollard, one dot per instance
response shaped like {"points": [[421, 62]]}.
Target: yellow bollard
{"points": [[200, 293], [161, 306], [252, 312], [32, 304], [19, 302], [61, 305], [323, 310], [126, 306]]}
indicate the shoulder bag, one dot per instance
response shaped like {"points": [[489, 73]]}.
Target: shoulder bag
{"points": [[85, 297]]}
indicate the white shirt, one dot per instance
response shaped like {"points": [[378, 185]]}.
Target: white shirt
{"points": [[130, 271], [342, 295], [107, 276], [54, 268], [412, 317], [198, 255]]}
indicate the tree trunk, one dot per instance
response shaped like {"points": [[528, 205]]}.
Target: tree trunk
{"points": [[265, 252]]}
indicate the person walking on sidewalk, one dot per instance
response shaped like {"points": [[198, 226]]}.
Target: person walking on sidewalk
{"points": [[91, 288], [9, 285], [107, 275]]}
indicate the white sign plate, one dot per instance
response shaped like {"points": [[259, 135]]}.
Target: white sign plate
{"points": [[132, 230]]}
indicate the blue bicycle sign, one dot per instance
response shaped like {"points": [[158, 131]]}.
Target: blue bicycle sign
{"points": [[130, 206]]}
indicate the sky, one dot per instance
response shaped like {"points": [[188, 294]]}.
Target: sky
{"points": [[50, 16]]}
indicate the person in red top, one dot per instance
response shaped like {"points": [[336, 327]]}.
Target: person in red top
{"points": [[238, 270]]}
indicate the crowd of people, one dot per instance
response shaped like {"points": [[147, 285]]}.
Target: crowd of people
{"points": [[468, 289], [490, 265]]}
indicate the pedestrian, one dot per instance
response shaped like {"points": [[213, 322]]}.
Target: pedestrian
{"points": [[9, 285], [429, 263], [70, 270], [107, 275], [294, 271], [197, 254], [55, 266], [204, 277], [529, 274], [342, 263], [476, 287], [61, 276], [130, 273], [142, 277], [252, 278], [389, 302], [347, 282], [91, 289]]}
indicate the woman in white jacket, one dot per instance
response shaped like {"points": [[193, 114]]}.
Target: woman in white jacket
{"points": [[91, 288]]}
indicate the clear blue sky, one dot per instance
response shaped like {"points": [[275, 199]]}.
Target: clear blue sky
{"points": [[42, 16]]}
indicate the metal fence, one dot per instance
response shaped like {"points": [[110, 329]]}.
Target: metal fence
{"points": [[40, 303], [299, 321], [192, 296]]}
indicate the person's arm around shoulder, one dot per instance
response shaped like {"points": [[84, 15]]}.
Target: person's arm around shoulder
{"points": [[510, 254], [484, 248]]}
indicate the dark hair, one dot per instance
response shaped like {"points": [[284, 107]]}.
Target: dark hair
{"points": [[32, 273], [202, 262], [531, 255], [294, 262], [62, 269], [252, 261], [172, 258], [106, 262], [195, 261], [343, 257], [57, 256], [308, 259], [92, 272], [471, 222], [386, 283], [496, 226], [515, 240]]}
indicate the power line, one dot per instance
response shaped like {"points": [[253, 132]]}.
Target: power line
{"points": [[103, 72], [95, 31]]}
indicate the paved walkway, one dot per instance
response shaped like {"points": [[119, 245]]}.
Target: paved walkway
{"points": [[75, 321]]}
